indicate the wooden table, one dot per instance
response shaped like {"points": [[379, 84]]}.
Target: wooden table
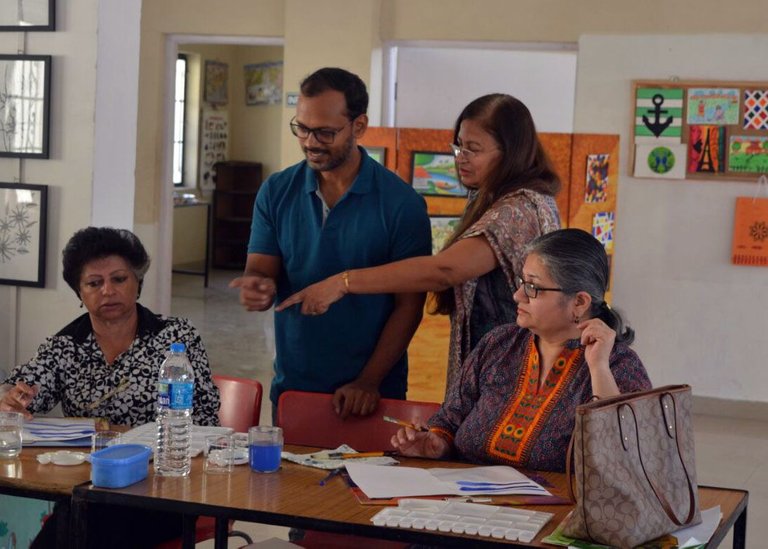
{"points": [[26, 477], [293, 497]]}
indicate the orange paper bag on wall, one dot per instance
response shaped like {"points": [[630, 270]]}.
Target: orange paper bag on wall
{"points": [[750, 232]]}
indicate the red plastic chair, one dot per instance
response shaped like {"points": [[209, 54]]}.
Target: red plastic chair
{"points": [[309, 419], [240, 402], [240, 409]]}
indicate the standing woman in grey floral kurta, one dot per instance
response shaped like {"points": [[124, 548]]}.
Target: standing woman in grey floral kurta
{"points": [[105, 363], [512, 185]]}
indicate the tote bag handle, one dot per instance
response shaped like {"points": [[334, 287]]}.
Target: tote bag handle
{"points": [[662, 500]]}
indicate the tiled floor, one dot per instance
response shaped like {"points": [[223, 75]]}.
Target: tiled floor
{"points": [[729, 452]]}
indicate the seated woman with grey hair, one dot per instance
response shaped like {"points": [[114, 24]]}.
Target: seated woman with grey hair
{"points": [[106, 362], [516, 400]]}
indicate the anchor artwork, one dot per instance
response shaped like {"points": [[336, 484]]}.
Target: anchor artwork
{"points": [[658, 115]]}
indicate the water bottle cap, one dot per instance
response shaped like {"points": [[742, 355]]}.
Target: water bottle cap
{"points": [[178, 347]]}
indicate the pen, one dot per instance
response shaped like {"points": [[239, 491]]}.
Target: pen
{"points": [[405, 424], [342, 455], [330, 475]]}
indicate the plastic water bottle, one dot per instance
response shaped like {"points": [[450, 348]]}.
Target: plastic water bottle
{"points": [[175, 387]]}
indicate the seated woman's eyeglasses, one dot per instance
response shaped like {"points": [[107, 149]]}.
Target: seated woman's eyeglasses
{"points": [[530, 289], [325, 136]]}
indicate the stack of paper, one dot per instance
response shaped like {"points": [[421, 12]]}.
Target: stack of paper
{"points": [[391, 482], [147, 435], [58, 431]]}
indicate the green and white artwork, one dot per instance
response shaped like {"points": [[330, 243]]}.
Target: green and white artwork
{"points": [[658, 115]]}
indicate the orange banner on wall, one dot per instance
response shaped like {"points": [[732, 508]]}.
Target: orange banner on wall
{"points": [[750, 232]]}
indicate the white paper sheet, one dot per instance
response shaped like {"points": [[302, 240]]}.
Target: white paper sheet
{"points": [[147, 435], [329, 464], [389, 482], [702, 532]]}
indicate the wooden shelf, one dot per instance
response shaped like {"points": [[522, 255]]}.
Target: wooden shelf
{"points": [[237, 184]]}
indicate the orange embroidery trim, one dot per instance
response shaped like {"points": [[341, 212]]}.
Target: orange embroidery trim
{"points": [[520, 423]]}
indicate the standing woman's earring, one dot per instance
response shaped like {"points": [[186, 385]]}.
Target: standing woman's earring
{"points": [[81, 304], [576, 319]]}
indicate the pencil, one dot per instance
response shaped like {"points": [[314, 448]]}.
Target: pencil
{"points": [[121, 386], [405, 424]]}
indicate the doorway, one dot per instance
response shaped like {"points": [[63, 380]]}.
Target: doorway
{"points": [[238, 343]]}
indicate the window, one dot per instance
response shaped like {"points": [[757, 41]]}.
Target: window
{"points": [[179, 103]]}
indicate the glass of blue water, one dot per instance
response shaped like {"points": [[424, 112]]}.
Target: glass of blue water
{"points": [[265, 443], [10, 434]]}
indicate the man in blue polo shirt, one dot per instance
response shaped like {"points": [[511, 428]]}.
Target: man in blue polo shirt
{"points": [[334, 211]]}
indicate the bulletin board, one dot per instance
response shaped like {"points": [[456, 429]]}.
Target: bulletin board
{"points": [[384, 138], [699, 129], [593, 189]]}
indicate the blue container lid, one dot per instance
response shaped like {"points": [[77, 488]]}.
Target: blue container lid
{"points": [[120, 454], [178, 347]]}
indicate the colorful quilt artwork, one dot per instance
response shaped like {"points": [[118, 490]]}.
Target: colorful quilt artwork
{"points": [[658, 115], [706, 149], [748, 153], [597, 178], [602, 229], [756, 109], [713, 106]]}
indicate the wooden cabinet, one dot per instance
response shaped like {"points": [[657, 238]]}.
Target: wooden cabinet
{"points": [[237, 183]]}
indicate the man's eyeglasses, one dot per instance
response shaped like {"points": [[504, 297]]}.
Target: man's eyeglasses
{"points": [[530, 289], [322, 135], [468, 154]]}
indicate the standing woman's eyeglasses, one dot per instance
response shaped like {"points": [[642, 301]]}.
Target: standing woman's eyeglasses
{"points": [[468, 153]]}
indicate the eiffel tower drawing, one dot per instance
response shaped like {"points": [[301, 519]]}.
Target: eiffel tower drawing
{"points": [[705, 160]]}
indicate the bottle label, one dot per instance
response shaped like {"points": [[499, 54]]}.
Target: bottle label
{"points": [[180, 396], [163, 397]]}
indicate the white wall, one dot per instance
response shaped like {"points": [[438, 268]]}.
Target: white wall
{"points": [[699, 319], [117, 74], [38, 312], [434, 84]]}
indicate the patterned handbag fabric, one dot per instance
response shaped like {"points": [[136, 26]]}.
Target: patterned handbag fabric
{"points": [[634, 467]]}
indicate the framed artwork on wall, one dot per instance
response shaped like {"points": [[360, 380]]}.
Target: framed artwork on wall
{"points": [[442, 228], [25, 84], [434, 174], [27, 15], [23, 221], [263, 83], [216, 81], [379, 154]]}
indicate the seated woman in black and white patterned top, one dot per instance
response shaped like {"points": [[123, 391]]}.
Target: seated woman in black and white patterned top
{"points": [[106, 362]]}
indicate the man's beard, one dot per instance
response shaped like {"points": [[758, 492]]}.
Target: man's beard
{"points": [[333, 159]]}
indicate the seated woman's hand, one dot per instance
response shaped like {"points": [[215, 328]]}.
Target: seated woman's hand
{"points": [[17, 398], [410, 442]]}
